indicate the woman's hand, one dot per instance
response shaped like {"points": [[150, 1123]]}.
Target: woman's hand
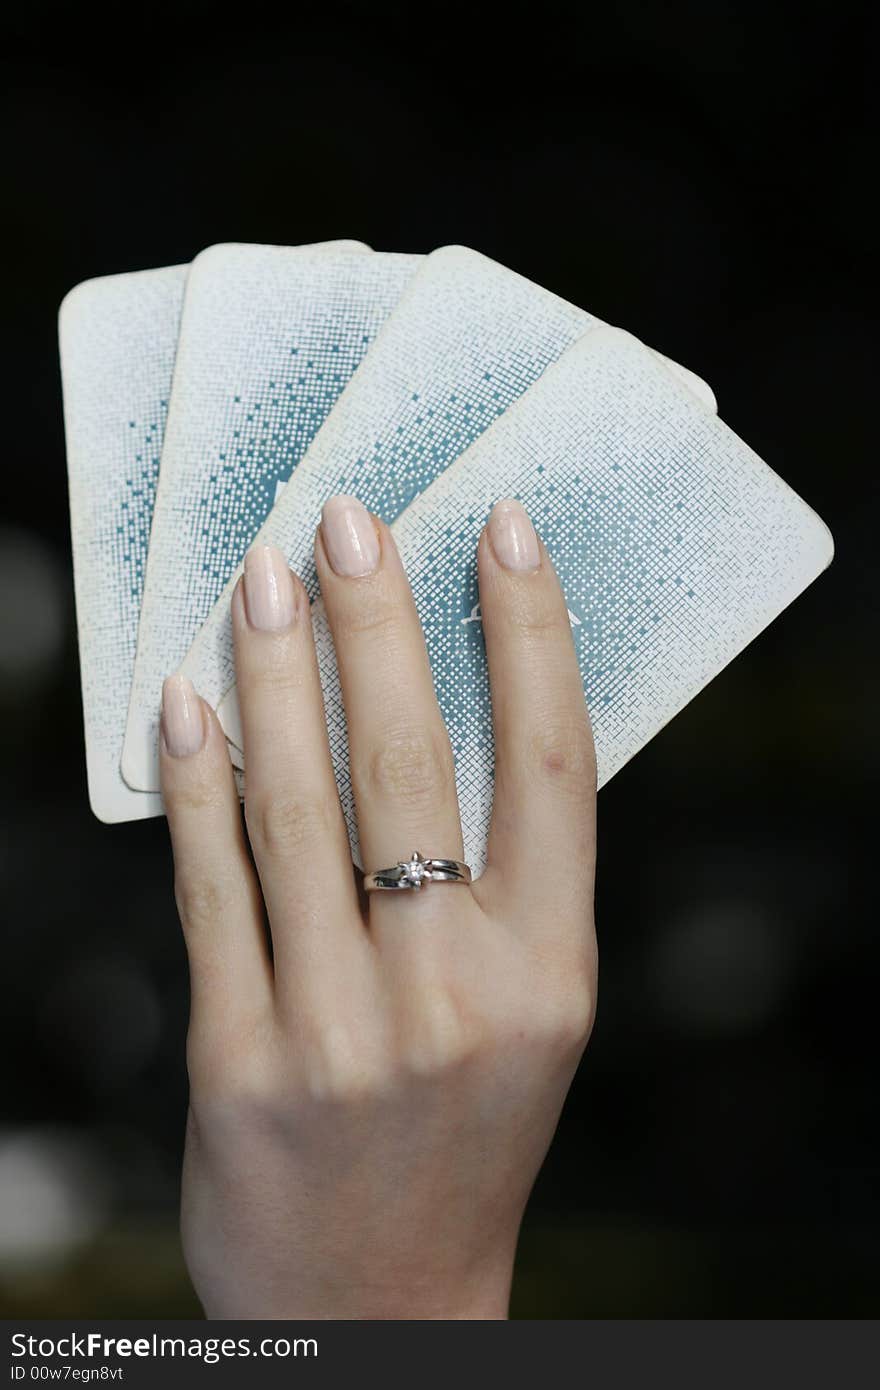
{"points": [[374, 1087]]}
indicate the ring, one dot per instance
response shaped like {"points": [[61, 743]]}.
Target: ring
{"points": [[413, 872]]}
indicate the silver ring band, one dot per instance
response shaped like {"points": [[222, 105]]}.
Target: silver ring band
{"points": [[411, 873]]}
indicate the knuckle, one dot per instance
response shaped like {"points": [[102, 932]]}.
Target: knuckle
{"points": [[228, 1072], [444, 1037], [341, 1069], [275, 678], [377, 619], [281, 823], [273, 668], [200, 900], [575, 1015], [565, 1008], [192, 798], [537, 620], [561, 751], [413, 766]]}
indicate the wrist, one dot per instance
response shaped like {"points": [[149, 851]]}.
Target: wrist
{"points": [[423, 1295]]}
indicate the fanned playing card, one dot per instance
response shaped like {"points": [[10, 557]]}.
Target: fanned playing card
{"points": [[465, 341], [269, 338], [118, 339], [674, 543]]}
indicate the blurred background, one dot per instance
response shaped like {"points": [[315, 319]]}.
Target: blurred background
{"points": [[695, 173]]}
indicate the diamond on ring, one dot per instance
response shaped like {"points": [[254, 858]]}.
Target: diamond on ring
{"points": [[412, 873], [415, 870]]}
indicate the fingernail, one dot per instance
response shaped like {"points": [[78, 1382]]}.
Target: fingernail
{"points": [[513, 536], [183, 724], [349, 537], [269, 595]]}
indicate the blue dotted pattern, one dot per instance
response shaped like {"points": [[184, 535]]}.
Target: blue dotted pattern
{"points": [[674, 544], [467, 339], [269, 430], [142, 450], [270, 337]]}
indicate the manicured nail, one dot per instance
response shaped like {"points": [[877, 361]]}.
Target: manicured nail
{"points": [[513, 536], [183, 724], [349, 537], [269, 595]]}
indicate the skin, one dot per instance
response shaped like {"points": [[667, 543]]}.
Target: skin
{"points": [[373, 1093]]}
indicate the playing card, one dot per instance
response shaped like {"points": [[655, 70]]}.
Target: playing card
{"points": [[269, 338], [674, 543], [118, 339], [467, 338]]}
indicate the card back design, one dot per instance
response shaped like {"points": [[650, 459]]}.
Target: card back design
{"points": [[118, 338], [674, 543], [269, 338], [467, 339]]}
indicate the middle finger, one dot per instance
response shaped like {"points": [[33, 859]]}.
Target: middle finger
{"points": [[402, 769]]}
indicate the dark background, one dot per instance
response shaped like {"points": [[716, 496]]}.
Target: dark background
{"points": [[696, 173]]}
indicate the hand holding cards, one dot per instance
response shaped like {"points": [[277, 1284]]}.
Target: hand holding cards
{"points": [[429, 388]]}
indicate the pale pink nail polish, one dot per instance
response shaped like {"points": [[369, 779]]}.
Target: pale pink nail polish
{"points": [[269, 595], [513, 536], [183, 723], [349, 537]]}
